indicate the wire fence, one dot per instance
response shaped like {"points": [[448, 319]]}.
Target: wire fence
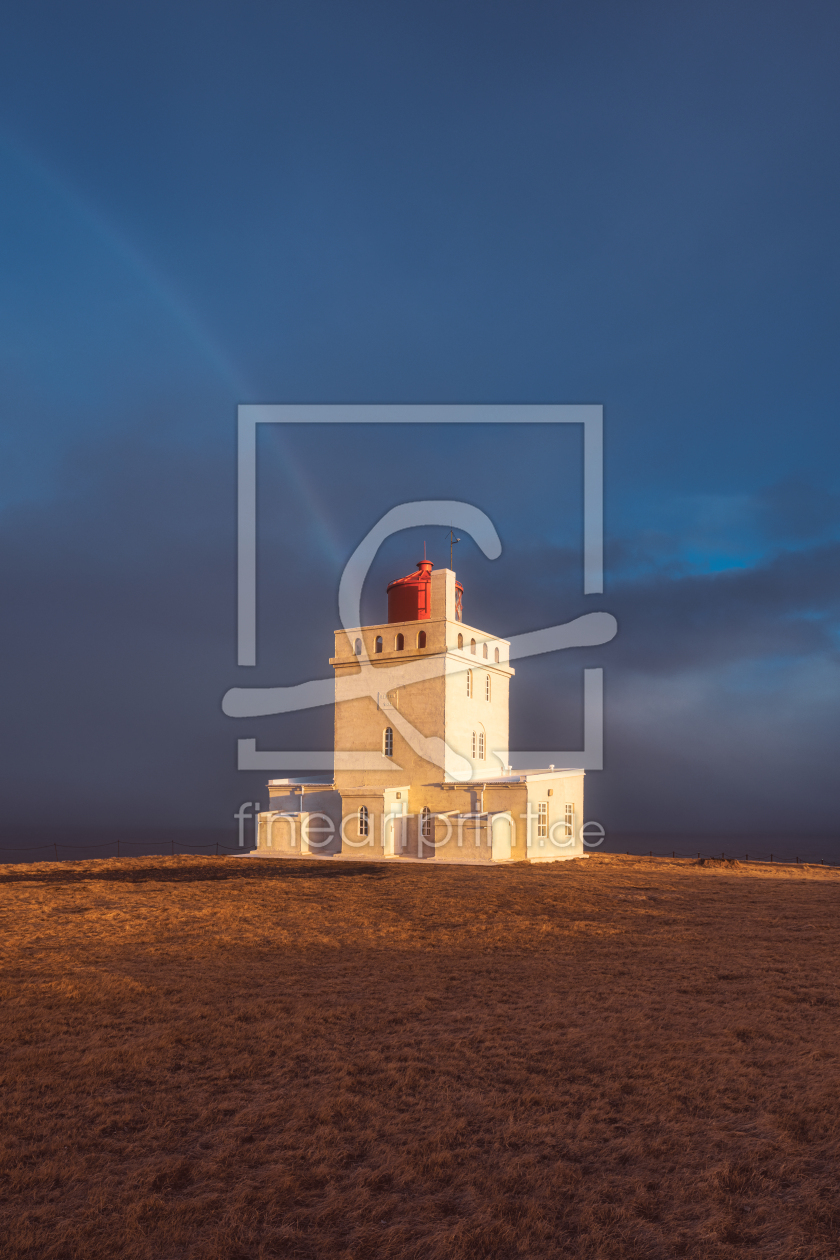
{"points": [[216, 848], [735, 856], [123, 847]]}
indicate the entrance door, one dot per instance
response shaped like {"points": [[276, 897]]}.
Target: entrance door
{"points": [[501, 838], [393, 835]]}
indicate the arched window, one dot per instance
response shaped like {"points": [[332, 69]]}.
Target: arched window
{"points": [[484, 651], [426, 823], [497, 656], [460, 640], [481, 745], [388, 742], [472, 646], [400, 644], [486, 686], [358, 647], [473, 744], [469, 682], [421, 639], [364, 822], [378, 644]]}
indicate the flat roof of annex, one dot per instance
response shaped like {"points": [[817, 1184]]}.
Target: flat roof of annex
{"points": [[493, 780], [516, 776]]}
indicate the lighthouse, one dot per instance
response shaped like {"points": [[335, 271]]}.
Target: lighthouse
{"points": [[422, 748]]}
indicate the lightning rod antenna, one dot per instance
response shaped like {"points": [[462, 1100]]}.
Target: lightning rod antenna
{"points": [[452, 541]]}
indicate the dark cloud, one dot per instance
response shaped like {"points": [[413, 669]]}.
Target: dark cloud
{"points": [[787, 607], [119, 628], [795, 510], [317, 203]]}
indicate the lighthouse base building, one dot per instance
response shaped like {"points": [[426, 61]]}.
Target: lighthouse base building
{"points": [[421, 749]]}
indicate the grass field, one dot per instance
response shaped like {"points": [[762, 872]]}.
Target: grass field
{"points": [[230, 1058]]}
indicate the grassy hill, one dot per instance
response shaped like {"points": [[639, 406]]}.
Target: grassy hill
{"points": [[232, 1058]]}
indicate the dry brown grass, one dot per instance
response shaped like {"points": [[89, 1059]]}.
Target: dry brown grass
{"points": [[229, 1058]]}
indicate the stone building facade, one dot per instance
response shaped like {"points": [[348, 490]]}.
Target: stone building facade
{"points": [[421, 749]]}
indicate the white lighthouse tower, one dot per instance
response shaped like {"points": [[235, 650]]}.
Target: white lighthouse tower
{"points": [[421, 748]]}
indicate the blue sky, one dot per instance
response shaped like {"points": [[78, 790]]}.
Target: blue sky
{"points": [[580, 202]]}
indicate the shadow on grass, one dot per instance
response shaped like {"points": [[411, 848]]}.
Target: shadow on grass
{"points": [[194, 872]]}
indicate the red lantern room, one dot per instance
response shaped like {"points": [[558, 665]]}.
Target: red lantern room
{"points": [[410, 597]]}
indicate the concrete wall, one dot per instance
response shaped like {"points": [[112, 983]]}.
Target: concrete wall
{"points": [[413, 712], [386, 827], [564, 789], [468, 713], [401, 808], [286, 829], [456, 842], [421, 694]]}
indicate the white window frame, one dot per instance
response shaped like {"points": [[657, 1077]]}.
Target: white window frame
{"points": [[388, 741], [487, 687], [426, 822], [469, 684], [364, 821], [481, 745], [542, 820]]}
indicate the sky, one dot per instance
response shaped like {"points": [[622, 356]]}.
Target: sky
{"points": [[631, 205]]}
